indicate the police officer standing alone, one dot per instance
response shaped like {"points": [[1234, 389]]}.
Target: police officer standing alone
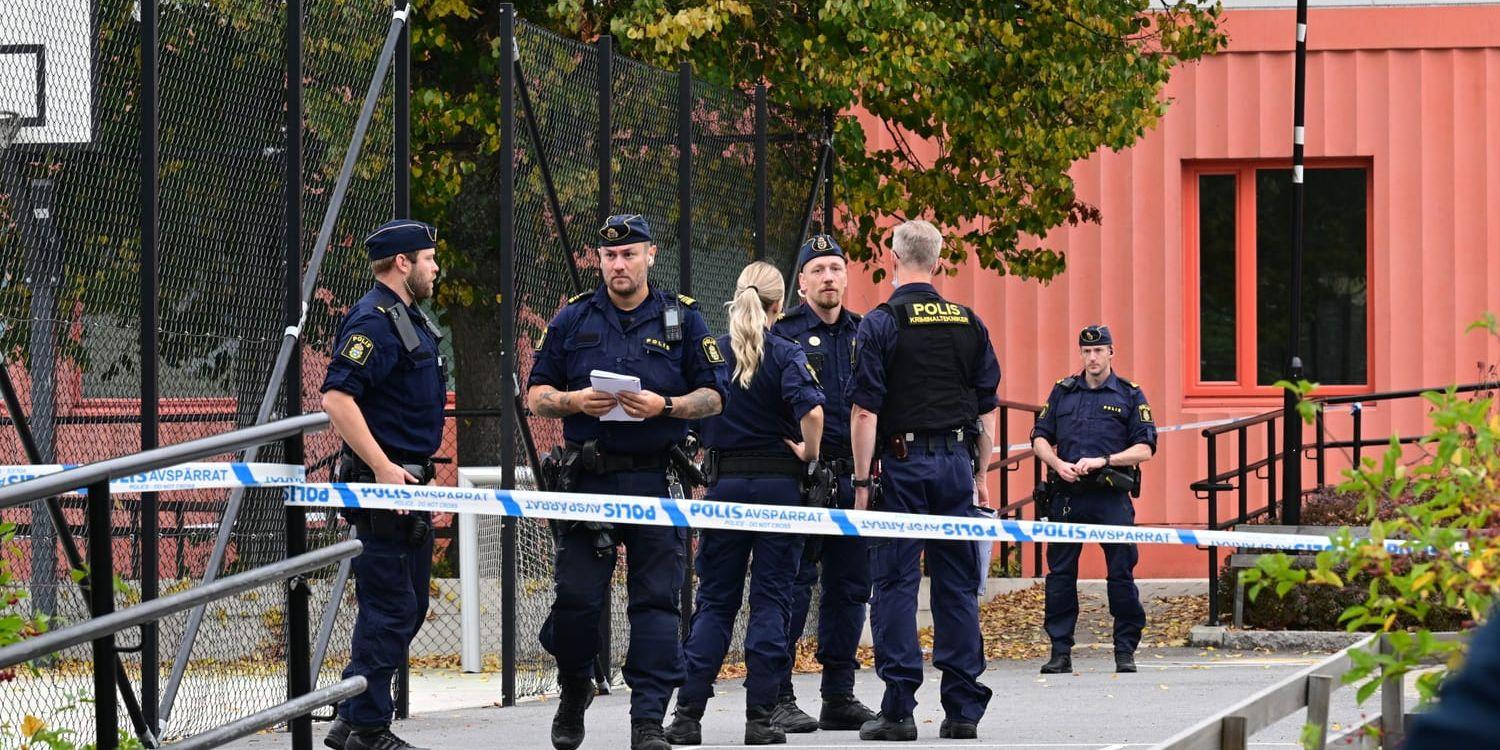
{"points": [[761, 449], [825, 329], [629, 328], [384, 392], [1093, 432], [924, 374]]}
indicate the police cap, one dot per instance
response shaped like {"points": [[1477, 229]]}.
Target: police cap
{"points": [[400, 236], [1095, 335], [624, 229], [817, 246]]}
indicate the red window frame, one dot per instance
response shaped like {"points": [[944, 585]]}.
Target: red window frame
{"points": [[1244, 387]]}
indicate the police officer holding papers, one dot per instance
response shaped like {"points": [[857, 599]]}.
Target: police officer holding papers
{"points": [[924, 373], [384, 392], [618, 443], [1093, 432]]}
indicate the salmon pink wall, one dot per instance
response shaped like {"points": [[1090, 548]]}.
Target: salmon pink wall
{"points": [[1415, 92]]}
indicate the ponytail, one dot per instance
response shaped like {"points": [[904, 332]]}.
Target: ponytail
{"points": [[758, 289]]}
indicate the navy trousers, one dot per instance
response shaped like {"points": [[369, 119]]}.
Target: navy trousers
{"points": [[1093, 506], [391, 581], [842, 565]]}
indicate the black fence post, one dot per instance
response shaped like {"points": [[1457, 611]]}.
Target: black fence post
{"points": [[1213, 524], [299, 679], [762, 185], [828, 125], [150, 395], [1358, 412], [1321, 447], [102, 595], [1271, 468], [1242, 441], [509, 417], [685, 271], [1036, 547], [401, 209], [605, 91], [1292, 494], [1003, 444]]}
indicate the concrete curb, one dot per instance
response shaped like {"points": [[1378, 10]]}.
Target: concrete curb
{"points": [[1204, 636]]}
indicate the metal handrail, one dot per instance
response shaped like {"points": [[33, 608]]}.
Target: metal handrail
{"points": [[1310, 688], [272, 716], [88, 630], [170, 455]]}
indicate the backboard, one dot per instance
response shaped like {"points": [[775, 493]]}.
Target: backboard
{"points": [[47, 68]]}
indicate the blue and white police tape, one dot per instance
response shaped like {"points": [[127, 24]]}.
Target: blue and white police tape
{"points": [[729, 516], [189, 476]]}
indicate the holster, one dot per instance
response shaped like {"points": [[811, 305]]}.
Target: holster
{"points": [[385, 525], [561, 468], [819, 486]]}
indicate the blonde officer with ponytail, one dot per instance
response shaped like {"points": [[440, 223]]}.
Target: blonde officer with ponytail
{"points": [[760, 448]]}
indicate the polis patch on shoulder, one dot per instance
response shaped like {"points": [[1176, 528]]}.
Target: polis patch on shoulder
{"points": [[711, 351], [813, 373], [542, 339], [357, 349], [1145, 410]]}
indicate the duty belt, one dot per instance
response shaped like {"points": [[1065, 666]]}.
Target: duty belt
{"points": [[609, 463], [751, 463], [901, 442]]}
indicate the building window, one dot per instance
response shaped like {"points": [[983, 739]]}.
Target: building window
{"points": [[1238, 237]]}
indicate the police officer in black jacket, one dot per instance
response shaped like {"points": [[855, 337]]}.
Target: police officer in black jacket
{"points": [[1094, 424], [384, 392]]}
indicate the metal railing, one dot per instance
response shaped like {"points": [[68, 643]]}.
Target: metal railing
{"points": [[1312, 689], [105, 621], [1244, 470], [1009, 463]]}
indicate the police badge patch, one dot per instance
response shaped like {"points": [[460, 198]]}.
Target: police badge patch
{"points": [[1145, 411], [357, 349], [711, 351]]}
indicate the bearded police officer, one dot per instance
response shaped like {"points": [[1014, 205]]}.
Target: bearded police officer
{"points": [[629, 328], [825, 329], [384, 392], [924, 374], [1093, 432]]}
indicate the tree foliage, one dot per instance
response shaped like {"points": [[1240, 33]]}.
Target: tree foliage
{"points": [[1011, 94]]}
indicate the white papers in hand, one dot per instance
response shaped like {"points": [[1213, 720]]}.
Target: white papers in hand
{"points": [[613, 382]]}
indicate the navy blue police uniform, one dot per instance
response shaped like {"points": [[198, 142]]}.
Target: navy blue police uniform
{"points": [[629, 458], [1083, 422], [751, 464], [841, 563], [926, 367], [387, 358]]}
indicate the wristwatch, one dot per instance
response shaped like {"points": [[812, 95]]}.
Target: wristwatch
{"points": [[857, 482], [666, 407]]}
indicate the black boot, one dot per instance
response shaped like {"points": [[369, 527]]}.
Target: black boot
{"points": [[567, 724], [758, 727], [843, 713], [958, 729], [1124, 661], [646, 734], [379, 739], [883, 727], [687, 726], [338, 734], [790, 718], [1060, 663]]}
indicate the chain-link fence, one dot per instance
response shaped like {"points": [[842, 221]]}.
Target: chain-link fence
{"points": [[71, 313], [70, 300]]}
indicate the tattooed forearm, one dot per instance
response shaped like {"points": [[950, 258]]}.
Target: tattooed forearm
{"points": [[704, 402], [546, 401]]}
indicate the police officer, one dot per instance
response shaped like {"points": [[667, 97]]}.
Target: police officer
{"points": [[924, 373], [825, 329], [630, 328], [384, 392], [757, 454], [1093, 425]]}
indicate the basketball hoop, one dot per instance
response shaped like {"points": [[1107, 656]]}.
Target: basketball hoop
{"points": [[10, 126]]}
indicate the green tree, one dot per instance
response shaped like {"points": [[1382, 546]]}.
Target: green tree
{"points": [[1011, 94]]}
